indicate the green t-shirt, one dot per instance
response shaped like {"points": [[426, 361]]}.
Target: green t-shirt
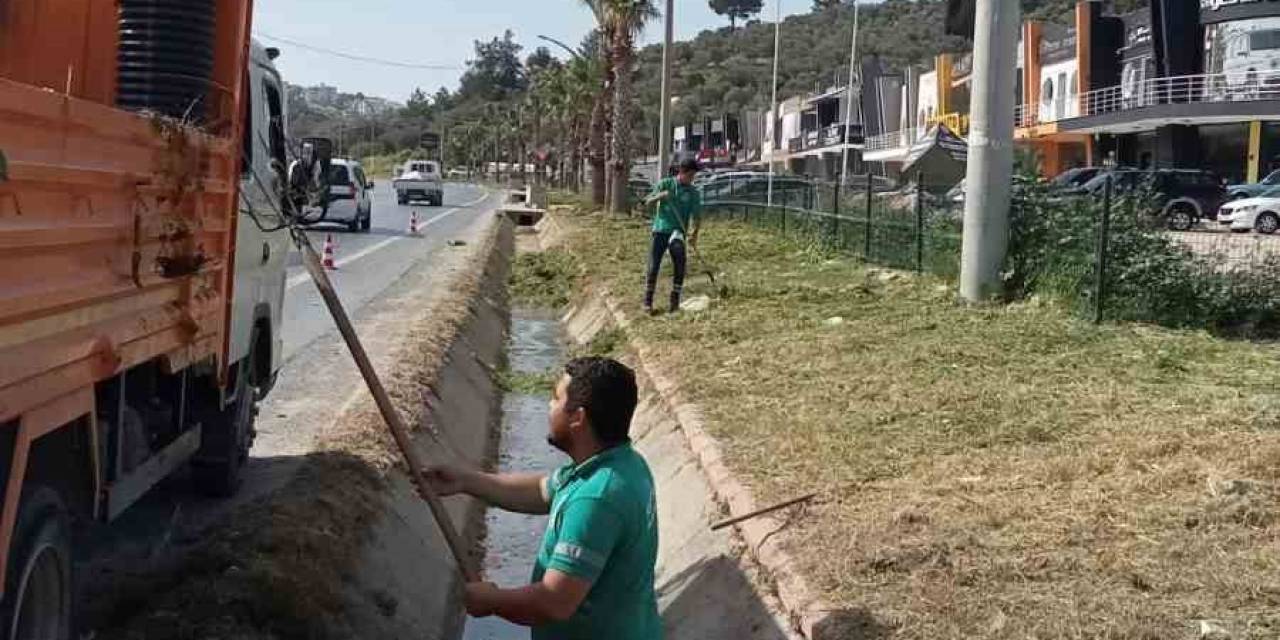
{"points": [[679, 209], [603, 527]]}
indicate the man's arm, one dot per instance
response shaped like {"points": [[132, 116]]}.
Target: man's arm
{"points": [[555, 598], [661, 191], [588, 532], [519, 492]]}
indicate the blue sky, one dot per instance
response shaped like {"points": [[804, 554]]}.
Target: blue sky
{"points": [[434, 32]]}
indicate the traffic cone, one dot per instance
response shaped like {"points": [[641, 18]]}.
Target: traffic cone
{"points": [[413, 223], [327, 263]]}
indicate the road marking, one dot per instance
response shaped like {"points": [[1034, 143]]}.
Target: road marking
{"points": [[304, 276]]}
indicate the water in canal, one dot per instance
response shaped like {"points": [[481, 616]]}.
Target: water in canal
{"points": [[512, 539]]}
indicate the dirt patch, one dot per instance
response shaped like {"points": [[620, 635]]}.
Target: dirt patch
{"points": [[987, 473], [297, 563]]}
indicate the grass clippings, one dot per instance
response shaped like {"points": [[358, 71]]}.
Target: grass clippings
{"points": [[540, 383], [281, 567], [543, 279], [989, 472]]}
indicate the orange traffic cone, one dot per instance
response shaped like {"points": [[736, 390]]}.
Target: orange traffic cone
{"points": [[328, 253], [413, 223]]}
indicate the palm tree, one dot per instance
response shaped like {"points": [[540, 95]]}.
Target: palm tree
{"points": [[600, 104], [624, 20]]}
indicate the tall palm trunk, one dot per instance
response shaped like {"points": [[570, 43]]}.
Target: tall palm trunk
{"points": [[596, 143], [621, 161]]}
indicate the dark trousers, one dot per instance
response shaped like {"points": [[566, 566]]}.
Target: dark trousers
{"points": [[662, 243]]}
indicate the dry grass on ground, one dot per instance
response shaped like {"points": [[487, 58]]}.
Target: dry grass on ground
{"points": [[281, 568], [1003, 472]]}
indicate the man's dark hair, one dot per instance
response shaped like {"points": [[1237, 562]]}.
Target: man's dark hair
{"points": [[689, 166], [606, 389]]}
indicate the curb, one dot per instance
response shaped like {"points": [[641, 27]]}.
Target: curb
{"points": [[805, 611]]}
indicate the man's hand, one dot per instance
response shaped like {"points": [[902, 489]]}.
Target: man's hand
{"points": [[447, 480], [661, 195], [481, 599]]}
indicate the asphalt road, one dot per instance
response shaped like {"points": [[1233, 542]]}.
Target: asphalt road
{"points": [[369, 262], [381, 276]]}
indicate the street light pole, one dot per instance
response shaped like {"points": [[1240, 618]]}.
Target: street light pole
{"points": [[990, 167], [664, 119], [848, 109], [774, 114]]}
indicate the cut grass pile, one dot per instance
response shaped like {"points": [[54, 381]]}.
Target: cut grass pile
{"points": [[543, 279], [996, 472], [283, 567]]}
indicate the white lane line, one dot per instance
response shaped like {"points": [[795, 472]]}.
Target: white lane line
{"points": [[304, 276]]}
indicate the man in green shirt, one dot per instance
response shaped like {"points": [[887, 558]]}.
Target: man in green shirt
{"points": [[593, 577], [679, 215]]}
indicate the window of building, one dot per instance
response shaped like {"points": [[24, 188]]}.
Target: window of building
{"points": [[1046, 93], [1264, 40], [1071, 85]]}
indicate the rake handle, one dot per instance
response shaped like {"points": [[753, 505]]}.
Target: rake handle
{"points": [[390, 415]]}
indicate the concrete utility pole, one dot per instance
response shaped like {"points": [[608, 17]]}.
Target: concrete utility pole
{"points": [[848, 109], [774, 112], [990, 171], [664, 119]]}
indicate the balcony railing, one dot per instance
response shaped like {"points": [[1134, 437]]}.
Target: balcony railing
{"points": [[892, 140], [1206, 88]]}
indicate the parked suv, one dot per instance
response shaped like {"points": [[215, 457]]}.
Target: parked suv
{"points": [[1180, 197]]}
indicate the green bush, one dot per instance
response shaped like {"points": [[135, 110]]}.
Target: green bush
{"points": [[1151, 276]]}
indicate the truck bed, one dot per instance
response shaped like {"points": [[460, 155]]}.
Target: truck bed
{"points": [[115, 239]]}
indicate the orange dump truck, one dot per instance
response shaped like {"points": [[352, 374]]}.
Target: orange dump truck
{"points": [[142, 272]]}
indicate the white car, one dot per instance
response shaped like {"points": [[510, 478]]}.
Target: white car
{"points": [[419, 180], [350, 195], [1260, 213]]}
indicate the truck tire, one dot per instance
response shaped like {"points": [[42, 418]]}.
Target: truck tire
{"points": [[38, 590], [226, 437]]}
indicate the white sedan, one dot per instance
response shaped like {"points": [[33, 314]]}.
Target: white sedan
{"points": [[1261, 213]]}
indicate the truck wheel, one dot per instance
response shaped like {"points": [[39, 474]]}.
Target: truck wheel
{"points": [[226, 436], [38, 582]]}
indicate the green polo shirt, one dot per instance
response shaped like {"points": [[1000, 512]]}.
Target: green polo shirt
{"points": [[679, 210], [603, 527]]}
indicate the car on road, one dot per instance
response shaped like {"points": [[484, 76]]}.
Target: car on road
{"points": [[1179, 197], [754, 187], [1259, 213], [350, 196], [1238, 191], [419, 180], [1075, 177]]}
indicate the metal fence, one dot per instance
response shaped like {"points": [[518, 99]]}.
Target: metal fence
{"points": [[1110, 256], [902, 230]]}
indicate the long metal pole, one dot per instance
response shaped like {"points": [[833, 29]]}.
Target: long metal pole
{"points": [[848, 110], [664, 119], [399, 430], [774, 112], [990, 170]]}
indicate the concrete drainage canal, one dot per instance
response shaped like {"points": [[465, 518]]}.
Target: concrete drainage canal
{"points": [[707, 585], [535, 355]]}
